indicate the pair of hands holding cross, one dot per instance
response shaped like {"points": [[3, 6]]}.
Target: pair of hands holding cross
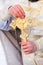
{"points": [[18, 12]]}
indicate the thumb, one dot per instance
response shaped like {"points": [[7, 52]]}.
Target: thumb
{"points": [[20, 43]]}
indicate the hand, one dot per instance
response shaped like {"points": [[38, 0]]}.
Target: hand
{"points": [[17, 11], [28, 47]]}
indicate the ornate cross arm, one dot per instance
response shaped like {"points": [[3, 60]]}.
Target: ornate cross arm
{"points": [[25, 25]]}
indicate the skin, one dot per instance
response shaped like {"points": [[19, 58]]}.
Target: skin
{"points": [[28, 47], [17, 11]]}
